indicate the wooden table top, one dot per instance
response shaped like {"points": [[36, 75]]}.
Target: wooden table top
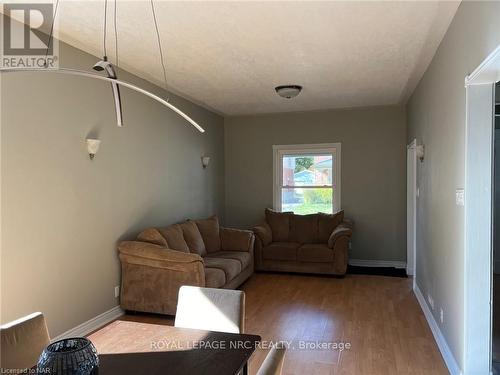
{"points": [[138, 348]]}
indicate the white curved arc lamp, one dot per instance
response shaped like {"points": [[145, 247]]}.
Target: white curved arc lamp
{"points": [[131, 86]]}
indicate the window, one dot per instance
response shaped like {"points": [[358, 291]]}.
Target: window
{"points": [[307, 178]]}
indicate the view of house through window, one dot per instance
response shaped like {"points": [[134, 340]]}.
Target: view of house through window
{"points": [[307, 179]]}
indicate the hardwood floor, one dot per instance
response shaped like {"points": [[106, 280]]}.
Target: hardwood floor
{"points": [[378, 316]]}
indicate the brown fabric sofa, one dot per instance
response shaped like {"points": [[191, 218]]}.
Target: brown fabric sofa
{"points": [[196, 252], [315, 243]]}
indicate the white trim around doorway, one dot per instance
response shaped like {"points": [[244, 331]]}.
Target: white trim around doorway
{"points": [[480, 90]]}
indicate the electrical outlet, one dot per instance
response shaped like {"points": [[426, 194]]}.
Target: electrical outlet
{"points": [[117, 291], [460, 197], [441, 315]]}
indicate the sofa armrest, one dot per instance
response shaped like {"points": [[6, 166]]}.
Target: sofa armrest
{"points": [[152, 255], [152, 275], [347, 223], [340, 231], [236, 239], [264, 233]]}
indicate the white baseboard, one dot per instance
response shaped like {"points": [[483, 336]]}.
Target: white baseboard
{"points": [[377, 263], [93, 324], [448, 357]]}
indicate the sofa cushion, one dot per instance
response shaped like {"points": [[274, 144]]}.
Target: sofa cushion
{"points": [[231, 267], [209, 229], [214, 277], [175, 237], [281, 251], [152, 235], [279, 223], [304, 228], [193, 238], [236, 239], [244, 257], [327, 223], [319, 253]]}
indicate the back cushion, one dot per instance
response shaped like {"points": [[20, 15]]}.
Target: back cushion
{"points": [[175, 237], [152, 235], [327, 223], [193, 238], [279, 223], [304, 228], [209, 229]]}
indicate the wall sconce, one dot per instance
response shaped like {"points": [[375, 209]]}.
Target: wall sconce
{"points": [[420, 152], [204, 161], [92, 147]]}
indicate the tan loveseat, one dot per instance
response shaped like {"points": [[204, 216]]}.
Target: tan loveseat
{"points": [[196, 252], [315, 243]]}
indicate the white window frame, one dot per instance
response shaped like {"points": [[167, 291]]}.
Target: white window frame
{"points": [[309, 149]]}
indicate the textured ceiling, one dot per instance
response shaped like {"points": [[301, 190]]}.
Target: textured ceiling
{"points": [[229, 56]]}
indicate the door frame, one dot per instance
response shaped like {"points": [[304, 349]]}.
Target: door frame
{"points": [[479, 162], [411, 209]]}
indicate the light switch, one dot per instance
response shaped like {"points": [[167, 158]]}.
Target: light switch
{"points": [[460, 197]]}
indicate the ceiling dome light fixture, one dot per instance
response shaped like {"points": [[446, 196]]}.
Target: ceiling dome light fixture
{"points": [[288, 91]]}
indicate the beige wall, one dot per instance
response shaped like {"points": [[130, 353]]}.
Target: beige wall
{"points": [[373, 170], [436, 117], [63, 214]]}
